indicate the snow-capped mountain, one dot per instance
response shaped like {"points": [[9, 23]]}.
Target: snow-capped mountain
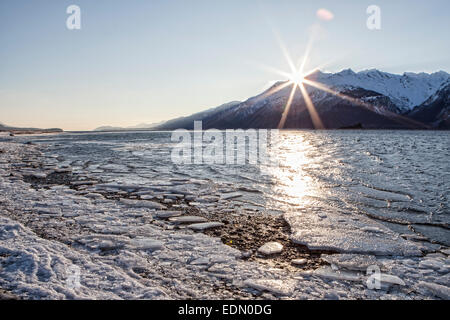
{"points": [[406, 91], [436, 109], [368, 99]]}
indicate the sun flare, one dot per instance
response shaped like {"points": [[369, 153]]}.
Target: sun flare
{"points": [[297, 78]]}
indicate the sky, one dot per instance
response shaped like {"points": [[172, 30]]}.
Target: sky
{"points": [[145, 61]]}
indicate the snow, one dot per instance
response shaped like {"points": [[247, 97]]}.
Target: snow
{"points": [[406, 91]]}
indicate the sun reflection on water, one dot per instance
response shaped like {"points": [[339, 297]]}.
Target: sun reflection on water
{"points": [[293, 184]]}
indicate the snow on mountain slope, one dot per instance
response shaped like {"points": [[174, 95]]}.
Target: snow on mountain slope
{"points": [[375, 99], [406, 91]]}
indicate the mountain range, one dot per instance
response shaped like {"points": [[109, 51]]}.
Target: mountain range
{"points": [[17, 130], [369, 99]]}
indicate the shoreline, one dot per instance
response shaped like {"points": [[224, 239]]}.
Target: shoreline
{"points": [[92, 224]]}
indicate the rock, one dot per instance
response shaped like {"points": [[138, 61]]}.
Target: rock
{"points": [[142, 204], [271, 248], [147, 197], [279, 287], [438, 290], [299, 262], [205, 226], [187, 220], [167, 214]]}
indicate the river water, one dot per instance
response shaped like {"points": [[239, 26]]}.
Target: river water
{"points": [[400, 179]]}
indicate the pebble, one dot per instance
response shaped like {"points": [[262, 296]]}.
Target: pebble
{"points": [[271, 248], [299, 262]]}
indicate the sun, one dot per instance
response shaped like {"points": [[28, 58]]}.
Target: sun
{"points": [[296, 78]]}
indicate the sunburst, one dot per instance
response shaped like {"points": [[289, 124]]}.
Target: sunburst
{"points": [[298, 78]]}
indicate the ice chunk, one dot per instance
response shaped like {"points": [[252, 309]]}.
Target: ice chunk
{"points": [[146, 244], [279, 287], [168, 214], [187, 220], [346, 235], [205, 226], [328, 272], [143, 204], [438, 290], [233, 195], [355, 262]]}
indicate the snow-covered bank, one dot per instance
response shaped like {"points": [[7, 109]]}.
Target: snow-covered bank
{"points": [[122, 250]]}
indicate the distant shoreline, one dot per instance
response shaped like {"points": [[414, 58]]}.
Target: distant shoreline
{"points": [[18, 131]]}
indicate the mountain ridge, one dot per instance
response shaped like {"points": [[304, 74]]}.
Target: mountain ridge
{"points": [[373, 99], [369, 98]]}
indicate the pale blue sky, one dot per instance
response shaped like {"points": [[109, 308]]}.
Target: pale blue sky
{"points": [[145, 61]]}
